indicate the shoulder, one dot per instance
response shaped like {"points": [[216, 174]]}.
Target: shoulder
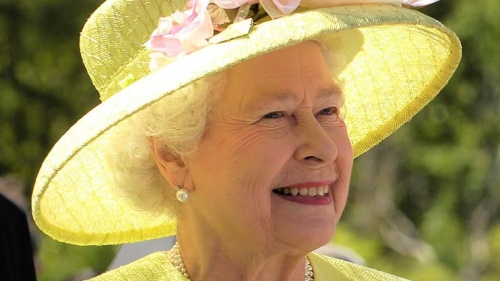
{"points": [[327, 268], [152, 267]]}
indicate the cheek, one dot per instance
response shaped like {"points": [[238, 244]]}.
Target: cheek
{"points": [[345, 153], [344, 162], [240, 158], [253, 149]]}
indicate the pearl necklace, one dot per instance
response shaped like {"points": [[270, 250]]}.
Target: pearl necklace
{"points": [[175, 258]]}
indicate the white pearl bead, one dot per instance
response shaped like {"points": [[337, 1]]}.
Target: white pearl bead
{"points": [[182, 195]]}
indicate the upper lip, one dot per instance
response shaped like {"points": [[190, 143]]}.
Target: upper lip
{"points": [[308, 184]]}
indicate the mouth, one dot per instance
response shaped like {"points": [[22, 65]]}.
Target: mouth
{"points": [[318, 191]]}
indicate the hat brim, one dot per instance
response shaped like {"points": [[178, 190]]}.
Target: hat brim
{"points": [[399, 60]]}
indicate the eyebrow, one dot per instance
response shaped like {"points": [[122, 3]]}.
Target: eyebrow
{"points": [[334, 90], [286, 95]]}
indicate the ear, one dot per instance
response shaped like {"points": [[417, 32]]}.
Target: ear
{"points": [[171, 166]]}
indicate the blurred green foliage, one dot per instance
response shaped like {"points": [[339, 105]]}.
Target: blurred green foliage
{"points": [[424, 203]]}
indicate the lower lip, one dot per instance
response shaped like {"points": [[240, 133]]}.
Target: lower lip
{"points": [[308, 200]]}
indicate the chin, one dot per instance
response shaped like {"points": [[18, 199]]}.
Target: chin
{"points": [[321, 237], [310, 236]]}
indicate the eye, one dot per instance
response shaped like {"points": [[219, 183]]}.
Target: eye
{"points": [[274, 115], [329, 111]]}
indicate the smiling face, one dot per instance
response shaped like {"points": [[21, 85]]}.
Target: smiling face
{"points": [[274, 166]]}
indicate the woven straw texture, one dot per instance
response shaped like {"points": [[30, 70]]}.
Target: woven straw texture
{"points": [[399, 59]]}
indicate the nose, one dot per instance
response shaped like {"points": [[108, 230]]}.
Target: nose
{"points": [[315, 147]]}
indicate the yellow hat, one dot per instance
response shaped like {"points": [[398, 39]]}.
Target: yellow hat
{"points": [[399, 60]]}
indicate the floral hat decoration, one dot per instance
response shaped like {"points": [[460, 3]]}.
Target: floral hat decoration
{"points": [[138, 51]]}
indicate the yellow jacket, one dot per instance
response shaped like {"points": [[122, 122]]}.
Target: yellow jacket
{"points": [[155, 267]]}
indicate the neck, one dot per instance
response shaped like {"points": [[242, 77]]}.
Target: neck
{"points": [[208, 256]]}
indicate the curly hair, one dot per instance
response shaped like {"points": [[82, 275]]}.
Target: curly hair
{"points": [[178, 121]]}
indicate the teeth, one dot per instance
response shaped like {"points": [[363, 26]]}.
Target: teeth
{"points": [[322, 191], [311, 191]]}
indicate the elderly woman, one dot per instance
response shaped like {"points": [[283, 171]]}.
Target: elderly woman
{"points": [[239, 137]]}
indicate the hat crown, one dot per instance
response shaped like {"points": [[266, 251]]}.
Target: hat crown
{"points": [[111, 42]]}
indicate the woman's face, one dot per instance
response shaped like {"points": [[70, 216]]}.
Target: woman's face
{"points": [[276, 132]]}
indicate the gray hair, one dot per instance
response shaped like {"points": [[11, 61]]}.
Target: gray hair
{"points": [[178, 121]]}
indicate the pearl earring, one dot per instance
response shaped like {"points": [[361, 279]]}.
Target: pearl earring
{"points": [[182, 194]]}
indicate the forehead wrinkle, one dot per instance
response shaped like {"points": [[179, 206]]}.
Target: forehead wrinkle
{"points": [[268, 95], [288, 96], [270, 98]]}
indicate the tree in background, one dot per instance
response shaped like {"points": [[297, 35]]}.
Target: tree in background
{"points": [[424, 204], [44, 89]]}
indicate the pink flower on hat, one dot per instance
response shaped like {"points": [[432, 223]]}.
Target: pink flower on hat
{"points": [[185, 32], [279, 8], [418, 3], [181, 33], [231, 4]]}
